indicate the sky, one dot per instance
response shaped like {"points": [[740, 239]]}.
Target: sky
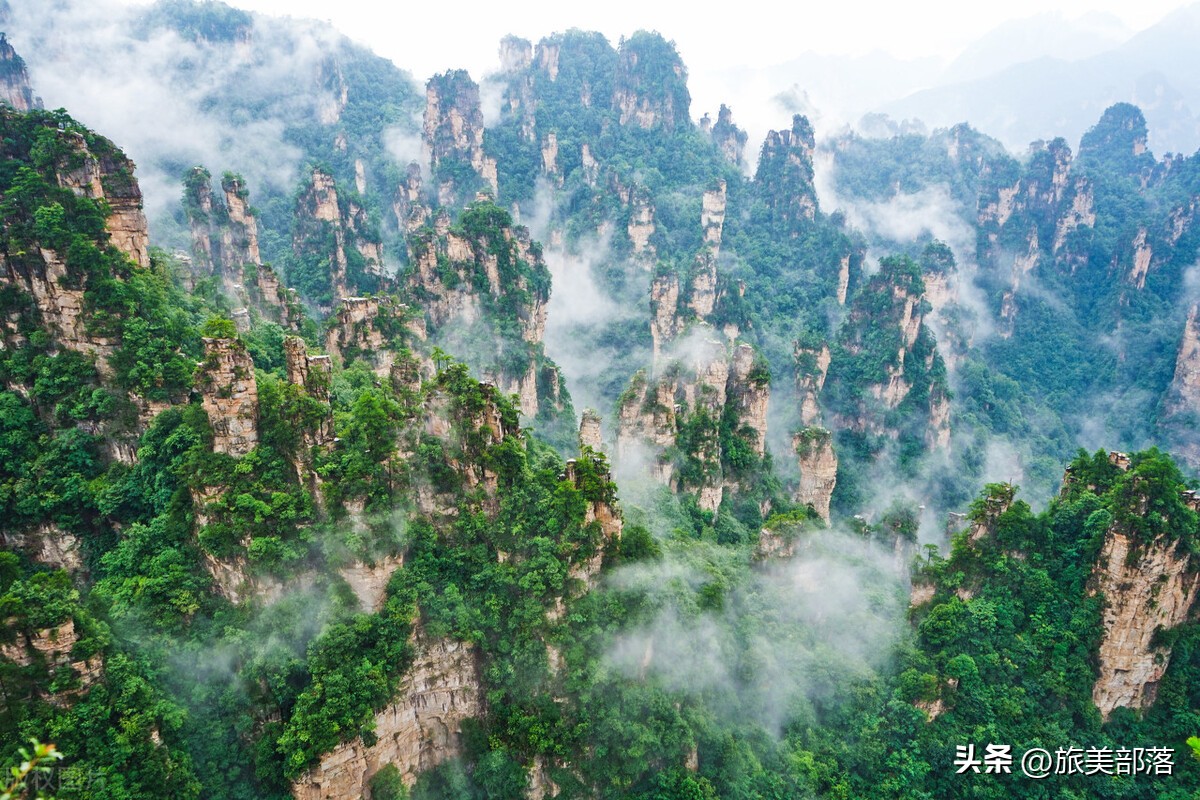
{"points": [[709, 36]]}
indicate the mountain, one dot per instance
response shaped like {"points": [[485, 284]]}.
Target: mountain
{"points": [[263, 97], [1043, 35], [1059, 96], [548, 453]]}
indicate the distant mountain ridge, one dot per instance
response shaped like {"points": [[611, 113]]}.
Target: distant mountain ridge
{"points": [[1049, 97]]}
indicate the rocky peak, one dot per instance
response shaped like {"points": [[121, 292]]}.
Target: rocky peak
{"points": [[785, 172], [229, 395], [101, 172], [1120, 134], [812, 365], [224, 234], [454, 132], [517, 75], [885, 335], [705, 379], [15, 90], [730, 140], [480, 282], [547, 58], [1045, 182], [650, 88], [243, 225], [984, 516], [516, 54], [494, 261], [198, 205], [225, 244], [589, 430], [327, 268], [310, 372]]}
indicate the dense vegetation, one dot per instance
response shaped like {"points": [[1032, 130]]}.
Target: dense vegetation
{"points": [[184, 621]]}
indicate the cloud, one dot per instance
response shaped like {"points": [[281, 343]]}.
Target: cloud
{"points": [[170, 102], [784, 634]]}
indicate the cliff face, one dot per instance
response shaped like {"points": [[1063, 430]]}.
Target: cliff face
{"points": [[454, 133], [408, 204], [480, 267], [313, 374], [229, 395], [884, 352], [684, 408], [640, 225], [516, 57], [1146, 588], [479, 284], [52, 648], [224, 234], [420, 729], [665, 320], [1143, 254], [550, 158], [813, 445], [225, 245], [1080, 214], [59, 302], [1043, 218], [336, 250], [785, 173], [107, 176], [90, 167], [1149, 586], [750, 393], [678, 302], [1181, 407], [15, 90], [712, 216], [818, 469], [370, 328], [812, 365], [646, 427], [48, 545], [602, 509]]}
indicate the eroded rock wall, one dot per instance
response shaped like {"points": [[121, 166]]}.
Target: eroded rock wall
{"points": [[229, 395], [1147, 588], [419, 729]]}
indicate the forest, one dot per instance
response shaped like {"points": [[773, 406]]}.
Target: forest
{"points": [[593, 452]]}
